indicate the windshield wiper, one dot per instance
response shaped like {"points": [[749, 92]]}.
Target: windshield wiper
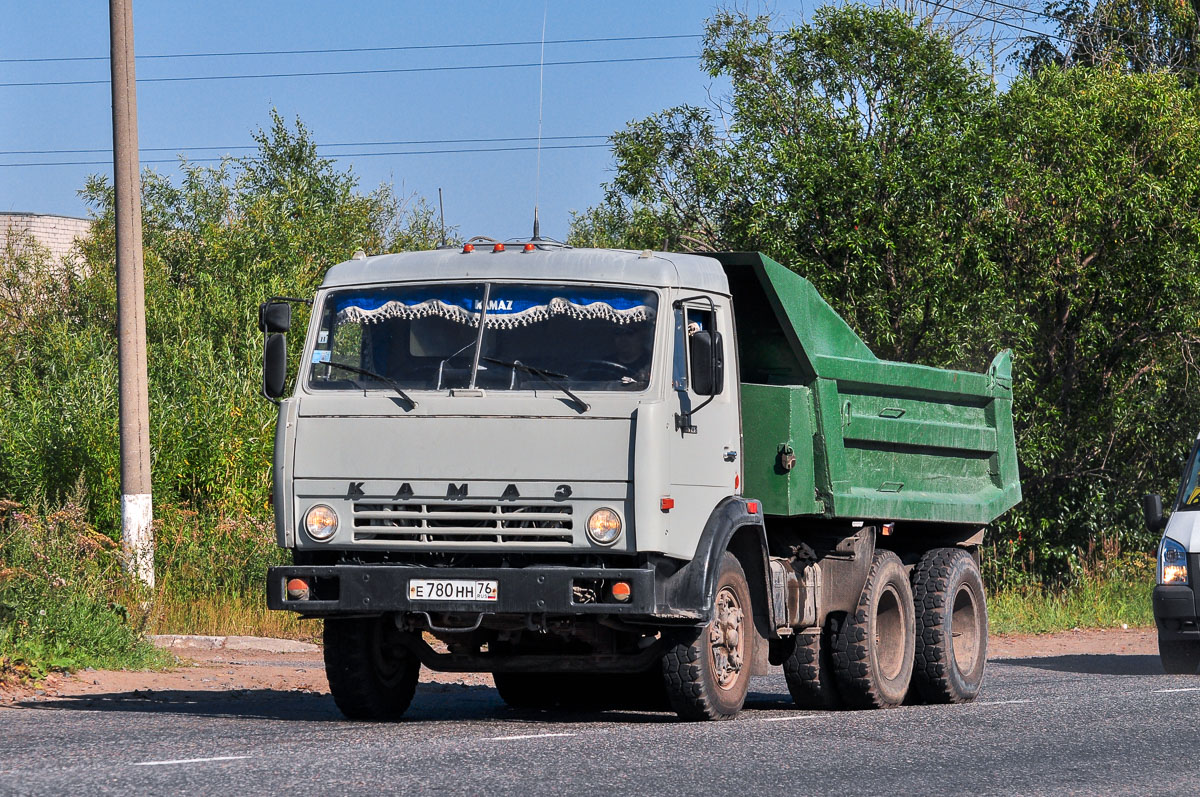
{"points": [[389, 382], [549, 377]]}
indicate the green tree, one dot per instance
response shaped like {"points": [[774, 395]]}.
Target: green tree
{"points": [[857, 149], [1098, 240], [1133, 35], [217, 243]]}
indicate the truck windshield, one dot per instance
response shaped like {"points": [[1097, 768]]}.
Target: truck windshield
{"points": [[425, 337]]}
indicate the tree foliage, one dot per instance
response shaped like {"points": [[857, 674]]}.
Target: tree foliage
{"points": [[1134, 35], [945, 219], [216, 244]]}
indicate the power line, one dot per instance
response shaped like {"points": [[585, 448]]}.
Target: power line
{"points": [[337, 155], [999, 21], [1101, 25], [395, 71], [411, 142], [1044, 34], [399, 48]]}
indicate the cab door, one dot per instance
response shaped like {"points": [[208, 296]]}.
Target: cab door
{"points": [[705, 448]]}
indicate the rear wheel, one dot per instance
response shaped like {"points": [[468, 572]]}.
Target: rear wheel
{"points": [[707, 671], [873, 649], [1179, 656], [808, 669], [952, 630], [372, 676]]}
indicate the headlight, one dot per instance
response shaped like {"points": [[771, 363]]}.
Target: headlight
{"points": [[320, 522], [1172, 562], [604, 526]]}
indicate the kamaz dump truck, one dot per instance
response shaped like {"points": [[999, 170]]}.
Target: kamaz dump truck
{"points": [[629, 479]]}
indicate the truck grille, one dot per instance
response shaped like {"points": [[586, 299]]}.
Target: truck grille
{"points": [[451, 524]]}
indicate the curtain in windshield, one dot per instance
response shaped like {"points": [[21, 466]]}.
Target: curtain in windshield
{"points": [[424, 337]]}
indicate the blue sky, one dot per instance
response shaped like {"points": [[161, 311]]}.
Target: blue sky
{"points": [[485, 193]]}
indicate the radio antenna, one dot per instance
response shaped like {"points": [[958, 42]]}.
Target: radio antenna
{"points": [[442, 216], [537, 180]]}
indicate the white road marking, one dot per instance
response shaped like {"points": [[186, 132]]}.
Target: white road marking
{"points": [[998, 702], [1184, 689], [789, 719], [190, 760], [527, 736]]}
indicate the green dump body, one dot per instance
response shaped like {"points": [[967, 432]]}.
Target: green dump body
{"points": [[871, 439]]}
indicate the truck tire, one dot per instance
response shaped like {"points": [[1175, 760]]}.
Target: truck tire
{"points": [[952, 627], [808, 670], [707, 670], [371, 675], [1179, 656], [873, 648]]}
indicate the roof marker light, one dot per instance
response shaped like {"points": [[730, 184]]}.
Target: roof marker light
{"points": [[529, 247], [468, 248], [498, 248]]}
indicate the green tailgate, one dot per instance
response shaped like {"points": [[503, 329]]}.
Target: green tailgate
{"points": [[870, 438]]}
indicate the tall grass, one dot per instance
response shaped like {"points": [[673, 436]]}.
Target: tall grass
{"points": [[1105, 587], [65, 600], [213, 577]]}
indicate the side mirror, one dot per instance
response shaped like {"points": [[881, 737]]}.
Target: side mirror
{"points": [[274, 317], [274, 365], [1152, 509], [707, 363]]}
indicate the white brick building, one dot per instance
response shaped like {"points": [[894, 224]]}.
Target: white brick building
{"points": [[56, 233]]}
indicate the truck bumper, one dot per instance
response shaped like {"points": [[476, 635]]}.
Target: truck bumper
{"points": [[372, 589], [1175, 612]]}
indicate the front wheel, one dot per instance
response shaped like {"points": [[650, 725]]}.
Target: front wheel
{"points": [[1179, 656], [707, 671], [372, 676]]}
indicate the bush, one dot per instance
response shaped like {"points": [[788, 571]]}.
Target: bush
{"points": [[65, 600]]}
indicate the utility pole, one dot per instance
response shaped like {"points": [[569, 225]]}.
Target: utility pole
{"points": [[137, 535]]}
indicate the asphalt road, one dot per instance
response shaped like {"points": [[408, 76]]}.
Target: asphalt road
{"points": [[1107, 724]]}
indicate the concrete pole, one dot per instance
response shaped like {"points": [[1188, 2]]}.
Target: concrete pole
{"points": [[137, 535]]}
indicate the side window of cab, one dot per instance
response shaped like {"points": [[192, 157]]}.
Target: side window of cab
{"points": [[699, 354]]}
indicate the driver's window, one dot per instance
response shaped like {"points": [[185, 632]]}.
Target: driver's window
{"points": [[688, 321]]}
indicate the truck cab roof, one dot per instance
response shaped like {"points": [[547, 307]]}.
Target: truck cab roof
{"points": [[627, 267]]}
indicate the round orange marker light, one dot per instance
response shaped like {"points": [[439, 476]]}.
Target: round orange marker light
{"points": [[297, 589], [468, 248], [529, 247], [498, 248], [621, 591]]}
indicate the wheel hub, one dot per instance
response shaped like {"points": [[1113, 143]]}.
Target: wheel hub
{"points": [[726, 639]]}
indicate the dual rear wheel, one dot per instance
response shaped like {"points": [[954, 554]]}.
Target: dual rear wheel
{"points": [[911, 638]]}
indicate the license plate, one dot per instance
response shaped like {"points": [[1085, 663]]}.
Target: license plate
{"points": [[444, 589]]}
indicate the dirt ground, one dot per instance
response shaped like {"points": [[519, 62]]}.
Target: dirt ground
{"points": [[298, 667]]}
